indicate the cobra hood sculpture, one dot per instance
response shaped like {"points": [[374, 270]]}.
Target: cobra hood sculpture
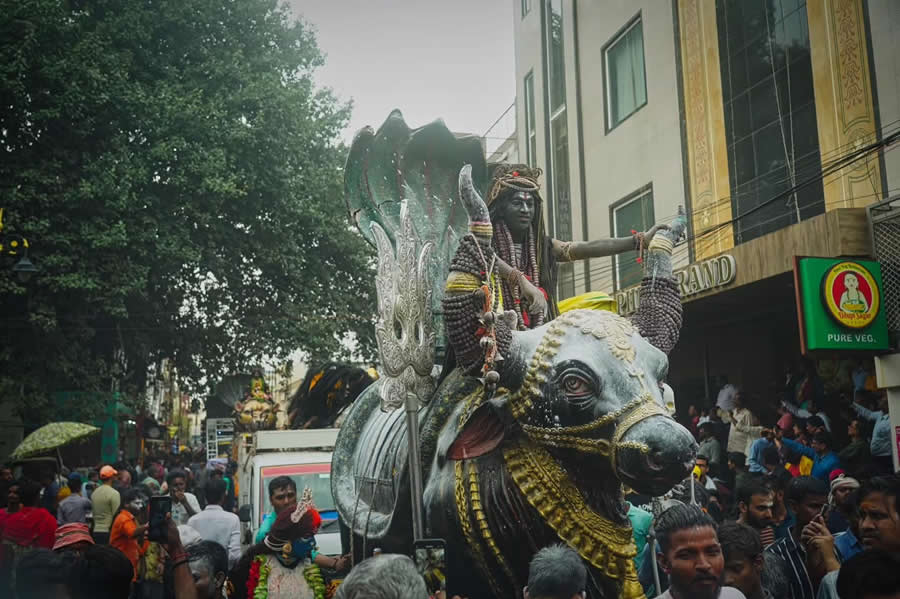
{"points": [[530, 441]]}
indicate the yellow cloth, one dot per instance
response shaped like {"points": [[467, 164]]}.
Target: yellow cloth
{"points": [[592, 300], [805, 466], [871, 384], [63, 493]]}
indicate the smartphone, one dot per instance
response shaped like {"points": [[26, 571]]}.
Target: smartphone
{"points": [[431, 562], [159, 507]]}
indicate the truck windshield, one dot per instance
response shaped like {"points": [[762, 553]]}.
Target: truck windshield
{"points": [[315, 476]]}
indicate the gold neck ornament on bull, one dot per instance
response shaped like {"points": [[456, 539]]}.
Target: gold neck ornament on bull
{"points": [[617, 332], [544, 483]]}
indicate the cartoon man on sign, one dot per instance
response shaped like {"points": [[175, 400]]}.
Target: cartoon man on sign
{"points": [[851, 295], [852, 300]]}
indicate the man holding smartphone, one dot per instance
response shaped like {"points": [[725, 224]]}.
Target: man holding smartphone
{"points": [[807, 498]]}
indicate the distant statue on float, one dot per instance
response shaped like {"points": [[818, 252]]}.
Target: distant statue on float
{"points": [[258, 410]]}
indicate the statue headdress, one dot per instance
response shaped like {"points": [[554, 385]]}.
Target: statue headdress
{"points": [[518, 177]]}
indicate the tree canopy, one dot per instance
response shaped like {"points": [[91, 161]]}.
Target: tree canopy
{"points": [[178, 175]]}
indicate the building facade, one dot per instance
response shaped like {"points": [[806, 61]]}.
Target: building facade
{"points": [[766, 119]]}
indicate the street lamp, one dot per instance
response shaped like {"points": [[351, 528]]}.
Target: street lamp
{"points": [[12, 245], [24, 268]]}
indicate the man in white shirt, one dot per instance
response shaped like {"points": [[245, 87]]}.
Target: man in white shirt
{"points": [[744, 425], [217, 525]]}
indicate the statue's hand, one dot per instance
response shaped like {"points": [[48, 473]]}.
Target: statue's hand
{"points": [[535, 301], [648, 236]]}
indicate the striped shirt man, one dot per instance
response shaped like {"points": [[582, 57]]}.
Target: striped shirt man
{"points": [[794, 556]]}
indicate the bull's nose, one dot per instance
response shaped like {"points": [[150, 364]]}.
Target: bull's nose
{"points": [[656, 453], [656, 460]]}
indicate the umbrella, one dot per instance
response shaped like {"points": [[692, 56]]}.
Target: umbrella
{"points": [[52, 436]]}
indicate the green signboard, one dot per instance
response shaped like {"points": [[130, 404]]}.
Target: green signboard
{"points": [[840, 304]]}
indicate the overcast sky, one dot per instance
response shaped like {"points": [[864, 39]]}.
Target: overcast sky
{"points": [[429, 58]]}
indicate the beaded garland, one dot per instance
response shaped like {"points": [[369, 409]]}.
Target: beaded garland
{"points": [[504, 247], [463, 304], [660, 318]]}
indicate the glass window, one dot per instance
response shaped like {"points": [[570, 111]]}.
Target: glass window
{"points": [[763, 107], [530, 128], [526, 7], [771, 128], [634, 215], [315, 476], [559, 142], [557, 57], [626, 86]]}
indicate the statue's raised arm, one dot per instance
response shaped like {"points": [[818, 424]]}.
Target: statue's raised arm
{"points": [[521, 242]]}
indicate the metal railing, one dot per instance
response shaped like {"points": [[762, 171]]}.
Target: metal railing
{"points": [[884, 223]]}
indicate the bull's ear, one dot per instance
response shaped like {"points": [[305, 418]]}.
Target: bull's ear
{"points": [[482, 432]]}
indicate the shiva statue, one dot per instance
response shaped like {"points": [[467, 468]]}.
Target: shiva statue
{"points": [[527, 256]]}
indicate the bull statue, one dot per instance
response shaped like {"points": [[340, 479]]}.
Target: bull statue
{"points": [[531, 443]]}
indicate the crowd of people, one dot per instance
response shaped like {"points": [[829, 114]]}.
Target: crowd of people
{"points": [[56, 529], [791, 505], [780, 504]]}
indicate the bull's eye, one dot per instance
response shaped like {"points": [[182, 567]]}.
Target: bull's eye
{"points": [[577, 387]]}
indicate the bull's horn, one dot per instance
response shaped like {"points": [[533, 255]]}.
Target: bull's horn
{"points": [[475, 206]]}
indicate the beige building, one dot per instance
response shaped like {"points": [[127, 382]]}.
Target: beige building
{"points": [[753, 114], [611, 154], [500, 141]]}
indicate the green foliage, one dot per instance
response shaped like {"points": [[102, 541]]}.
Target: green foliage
{"points": [[178, 175]]}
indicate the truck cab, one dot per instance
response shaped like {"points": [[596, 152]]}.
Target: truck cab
{"points": [[302, 455]]}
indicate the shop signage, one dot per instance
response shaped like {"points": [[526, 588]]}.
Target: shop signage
{"points": [[839, 304], [692, 279]]}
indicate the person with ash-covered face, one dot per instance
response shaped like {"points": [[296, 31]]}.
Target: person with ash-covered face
{"points": [[129, 527]]}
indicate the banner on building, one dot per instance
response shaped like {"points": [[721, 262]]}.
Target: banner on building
{"points": [[839, 304]]}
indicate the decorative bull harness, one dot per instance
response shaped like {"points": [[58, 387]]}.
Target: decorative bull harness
{"points": [[607, 546], [542, 481]]}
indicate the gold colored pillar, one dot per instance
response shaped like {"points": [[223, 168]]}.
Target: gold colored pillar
{"points": [[845, 112], [707, 149]]}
